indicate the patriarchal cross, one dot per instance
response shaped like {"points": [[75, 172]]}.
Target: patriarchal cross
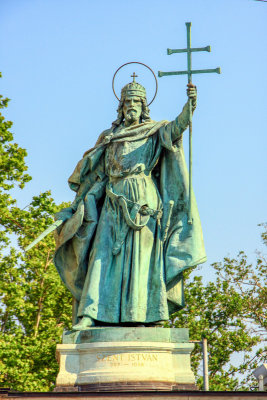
{"points": [[189, 73]]}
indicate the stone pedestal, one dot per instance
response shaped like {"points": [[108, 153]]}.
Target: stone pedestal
{"points": [[118, 358]]}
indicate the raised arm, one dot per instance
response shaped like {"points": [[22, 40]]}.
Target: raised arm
{"points": [[179, 125]]}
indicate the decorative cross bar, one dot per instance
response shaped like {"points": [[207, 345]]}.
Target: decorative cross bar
{"points": [[189, 72]]}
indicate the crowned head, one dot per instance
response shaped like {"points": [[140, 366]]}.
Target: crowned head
{"points": [[133, 89], [133, 105]]}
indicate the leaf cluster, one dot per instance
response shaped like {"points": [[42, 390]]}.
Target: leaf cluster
{"points": [[12, 172], [34, 304], [230, 313]]}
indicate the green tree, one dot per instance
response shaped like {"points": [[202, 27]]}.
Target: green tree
{"points": [[12, 172], [231, 313], [35, 306]]}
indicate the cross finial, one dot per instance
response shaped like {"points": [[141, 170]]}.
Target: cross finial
{"points": [[134, 76]]}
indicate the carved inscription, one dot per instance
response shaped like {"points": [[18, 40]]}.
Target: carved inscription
{"points": [[134, 359]]}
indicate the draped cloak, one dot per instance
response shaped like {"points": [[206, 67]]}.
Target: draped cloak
{"points": [[116, 272]]}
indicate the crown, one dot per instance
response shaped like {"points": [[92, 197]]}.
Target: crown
{"points": [[133, 89]]}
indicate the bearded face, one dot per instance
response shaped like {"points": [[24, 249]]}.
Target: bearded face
{"points": [[132, 110]]}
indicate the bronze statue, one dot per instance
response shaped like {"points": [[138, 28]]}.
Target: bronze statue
{"points": [[126, 240]]}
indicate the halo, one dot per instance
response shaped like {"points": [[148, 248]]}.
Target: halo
{"points": [[135, 62]]}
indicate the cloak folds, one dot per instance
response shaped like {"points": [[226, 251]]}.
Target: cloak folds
{"points": [[183, 247]]}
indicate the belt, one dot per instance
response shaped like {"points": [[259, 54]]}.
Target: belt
{"points": [[130, 216], [142, 209]]}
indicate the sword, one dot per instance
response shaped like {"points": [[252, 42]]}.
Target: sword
{"points": [[81, 194], [50, 229]]}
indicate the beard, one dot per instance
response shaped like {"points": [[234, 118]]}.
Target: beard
{"points": [[132, 116]]}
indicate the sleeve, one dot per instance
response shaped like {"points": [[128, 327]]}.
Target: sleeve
{"points": [[173, 131]]}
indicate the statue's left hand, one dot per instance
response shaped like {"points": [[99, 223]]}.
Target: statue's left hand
{"points": [[192, 93]]}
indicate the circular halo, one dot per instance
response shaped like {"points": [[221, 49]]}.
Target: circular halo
{"points": [[135, 62]]}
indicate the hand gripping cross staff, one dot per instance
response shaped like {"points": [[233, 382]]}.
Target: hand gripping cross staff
{"points": [[189, 73]]}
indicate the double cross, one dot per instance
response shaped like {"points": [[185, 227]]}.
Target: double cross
{"points": [[189, 50]]}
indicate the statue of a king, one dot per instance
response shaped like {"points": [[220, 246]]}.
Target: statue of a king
{"points": [[126, 240]]}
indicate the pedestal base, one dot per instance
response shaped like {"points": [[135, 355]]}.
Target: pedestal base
{"points": [[116, 358]]}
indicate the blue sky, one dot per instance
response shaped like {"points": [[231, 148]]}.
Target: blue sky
{"points": [[58, 58]]}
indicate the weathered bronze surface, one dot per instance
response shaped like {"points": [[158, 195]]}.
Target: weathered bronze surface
{"points": [[125, 240]]}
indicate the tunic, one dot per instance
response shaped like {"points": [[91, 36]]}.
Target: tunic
{"points": [[132, 283]]}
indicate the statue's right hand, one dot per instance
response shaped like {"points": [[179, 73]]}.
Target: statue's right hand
{"points": [[64, 214]]}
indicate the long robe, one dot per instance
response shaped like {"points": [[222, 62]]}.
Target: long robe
{"points": [[122, 264]]}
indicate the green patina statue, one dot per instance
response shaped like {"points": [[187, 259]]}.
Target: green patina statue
{"points": [[126, 240]]}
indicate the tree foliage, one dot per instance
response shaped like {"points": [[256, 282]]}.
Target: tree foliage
{"points": [[12, 172], [231, 313], [35, 306]]}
